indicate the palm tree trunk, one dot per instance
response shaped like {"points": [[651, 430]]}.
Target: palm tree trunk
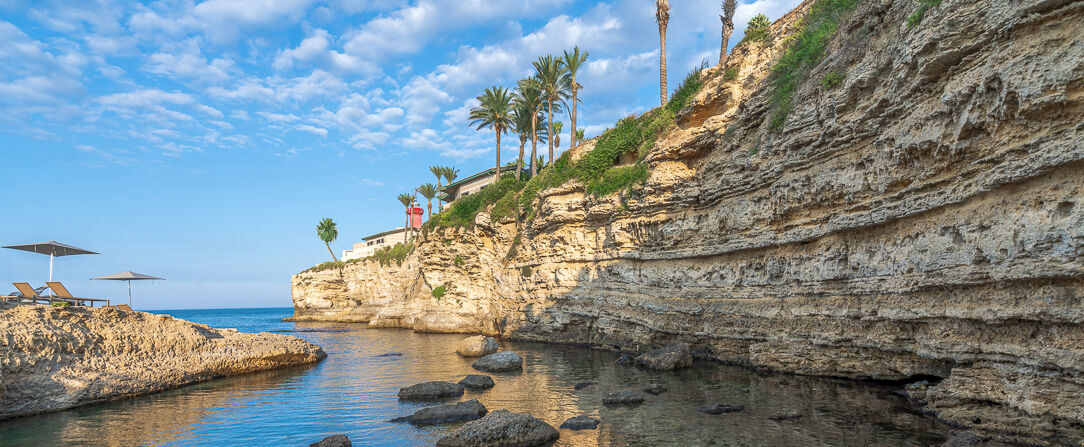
{"points": [[728, 27], [534, 144], [333, 258], [662, 63], [549, 130], [519, 162], [429, 205], [497, 175], [572, 140]]}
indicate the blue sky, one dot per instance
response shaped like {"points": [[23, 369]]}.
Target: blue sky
{"points": [[202, 141]]}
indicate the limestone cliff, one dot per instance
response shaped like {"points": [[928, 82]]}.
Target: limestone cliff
{"points": [[919, 218], [57, 358]]}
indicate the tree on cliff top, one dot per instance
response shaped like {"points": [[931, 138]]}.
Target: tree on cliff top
{"points": [[407, 200], [529, 98], [328, 232], [728, 27], [662, 15], [428, 191], [573, 61], [551, 75], [494, 111]]}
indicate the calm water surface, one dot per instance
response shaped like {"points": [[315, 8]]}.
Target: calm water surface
{"points": [[354, 391]]}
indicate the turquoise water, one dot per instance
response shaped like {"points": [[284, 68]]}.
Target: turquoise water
{"points": [[354, 391]]}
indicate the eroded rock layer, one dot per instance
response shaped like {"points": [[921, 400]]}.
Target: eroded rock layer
{"points": [[58, 358], [922, 218]]}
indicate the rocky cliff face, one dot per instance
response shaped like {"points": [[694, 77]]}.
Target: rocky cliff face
{"points": [[921, 219], [53, 359]]}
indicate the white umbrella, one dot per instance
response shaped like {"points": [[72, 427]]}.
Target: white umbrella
{"points": [[128, 276], [53, 249]]}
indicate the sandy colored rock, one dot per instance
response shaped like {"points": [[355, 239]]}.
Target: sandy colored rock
{"points": [[921, 218], [53, 359], [667, 358], [477, 346]]}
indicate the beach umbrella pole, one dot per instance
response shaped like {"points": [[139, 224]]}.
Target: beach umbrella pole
{"points": [[129, 293], [50, 267]]}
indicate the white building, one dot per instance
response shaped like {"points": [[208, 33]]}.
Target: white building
{"points": [[371, 244]]}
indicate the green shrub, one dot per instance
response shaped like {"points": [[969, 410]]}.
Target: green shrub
{"points": [[323, 266], [397, 253], [832, 79], [617, 179], [458, 261], [804, 50], [438, 292], [464, 209], [916, 18], [759, 29], [61, 304], [730, 74], [525, 271]]}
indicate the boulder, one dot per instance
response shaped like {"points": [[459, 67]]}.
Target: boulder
{"points": [[626, 397], [460, 411], [580, 423], [333, 441], [477, 381], [501, 361], [501, 428], [718, 408], [477, 346], [431, 391], [786, 415], [667, 358], [655, 389]]}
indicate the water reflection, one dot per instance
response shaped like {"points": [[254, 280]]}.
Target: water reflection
{"points": [[354, 392]]}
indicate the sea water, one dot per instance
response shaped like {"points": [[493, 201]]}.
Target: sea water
{"points": [[353, 392]]}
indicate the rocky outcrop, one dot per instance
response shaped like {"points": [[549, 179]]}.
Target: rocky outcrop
{"points": [[503, 428], [52, 359], [917, 216]]}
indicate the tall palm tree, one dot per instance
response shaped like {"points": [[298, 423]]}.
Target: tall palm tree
{"points": [[407, 200], [550, 73], [328, 232], [573, 61], [428, 191], [557, 135], [530, 97], [662, 15], [450, 174], [728, 27], [522, 119], [494, 111]]}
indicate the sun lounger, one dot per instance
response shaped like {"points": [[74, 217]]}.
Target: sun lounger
{"points": [[27, 293], [63, 293], [124, 307]]}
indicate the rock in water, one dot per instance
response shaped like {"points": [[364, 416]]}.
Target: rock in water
{"points": [[460, 411], [626, 397], [477, 381], [502, 428], [667, 358], [501, 361], [477, 346], [965, 439], [580, 423], [431, 391], [655, 389], [626, 360], [54, 359], [786, 415], [333, 441], [718, 408], [582, 385]]}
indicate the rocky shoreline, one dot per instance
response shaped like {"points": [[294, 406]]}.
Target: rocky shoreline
{"points": [[54, 359]]}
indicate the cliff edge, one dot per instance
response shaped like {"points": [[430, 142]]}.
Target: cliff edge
{"points": [[909, 211]]}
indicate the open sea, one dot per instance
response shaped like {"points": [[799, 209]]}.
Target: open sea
{"points": [[353, 392]]}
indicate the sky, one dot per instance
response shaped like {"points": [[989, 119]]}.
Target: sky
{"points": [[203, 141]]}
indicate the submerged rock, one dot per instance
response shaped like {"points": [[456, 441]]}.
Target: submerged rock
{"points": [[626, 360], [501, 361], [580, 423], [582, 385], [655, 389], [333, 441], [477, 346], [430, 391], [477, 381], [667, 358], [626, 397], [502, 428], [785, 415], [460, 411], [965, 439], [718, 408], [53, 359]]}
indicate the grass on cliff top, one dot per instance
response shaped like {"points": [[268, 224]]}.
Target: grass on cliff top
{"points": [[805, 48], [323, 266], [397, 253]]}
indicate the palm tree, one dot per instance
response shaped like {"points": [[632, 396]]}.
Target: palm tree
{"points": [[530, 97], [572, 62], [328, 232], [550, 73], [580, 133], [557, 134], [428, 191], [450, 174], [728, 27], [522, 119], [407, 200], [662, 15], [494, 111]]}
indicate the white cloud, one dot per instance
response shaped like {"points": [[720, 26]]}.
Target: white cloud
{"points": [[189, 63], [315, 50], [312, 129], [279, 117]]}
